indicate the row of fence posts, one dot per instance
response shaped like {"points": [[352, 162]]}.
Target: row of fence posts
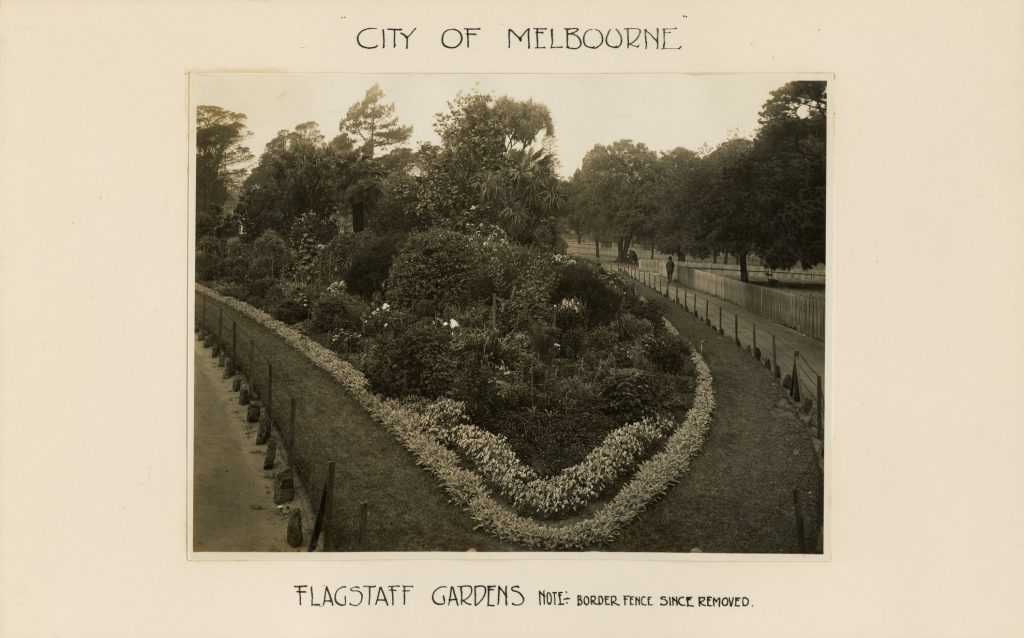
{"points": [[654, 281], [794, 388], [284, 487]]}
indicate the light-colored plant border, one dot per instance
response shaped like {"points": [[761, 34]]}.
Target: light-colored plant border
{"points": [[573, 487], [468, 489]]}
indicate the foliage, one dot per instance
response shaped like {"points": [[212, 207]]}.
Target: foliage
{"points": [[336, 310], [270, 256], [297, 173], [587, 284], [628, 393], [789, 167], [615, 184], [411, 357], [221, 157], [494, 165], [287, 301], [374, 123], [553, 442], [370, 264], [436, 269]]}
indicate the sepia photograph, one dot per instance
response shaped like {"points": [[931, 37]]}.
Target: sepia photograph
{"points": [[509, 313]]}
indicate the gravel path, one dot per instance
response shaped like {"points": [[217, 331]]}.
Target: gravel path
{"points": [[233, 506]]}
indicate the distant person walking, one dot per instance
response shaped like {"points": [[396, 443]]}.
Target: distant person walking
{"points": [[670, 267]]}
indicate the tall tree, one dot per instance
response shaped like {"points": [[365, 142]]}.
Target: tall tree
{"points": [[789, 170], [495, 164], [221, 156], [374, 123], [617, 183], [298, 173], [675, 223]]}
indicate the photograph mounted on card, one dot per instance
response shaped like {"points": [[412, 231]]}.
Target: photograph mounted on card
{"points": [[508, 313]]}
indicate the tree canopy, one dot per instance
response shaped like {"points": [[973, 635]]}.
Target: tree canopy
{"points": [[221, 156]]}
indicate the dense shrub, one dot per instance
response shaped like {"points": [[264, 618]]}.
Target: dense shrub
{"points": [[667, 352], [337, 310], [589, 286], [437, 269], [334, 259], [370, 263], [208, 265], [258, 289], [287, 301], [411, 357], [235, 265], [270, 256], [552, 442], [628, 393], [643, 308]]}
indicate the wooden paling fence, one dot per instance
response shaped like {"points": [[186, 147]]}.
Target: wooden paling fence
{"points": [[803, 314]]}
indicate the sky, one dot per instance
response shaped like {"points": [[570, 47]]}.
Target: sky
{"points": [[662, 111]]}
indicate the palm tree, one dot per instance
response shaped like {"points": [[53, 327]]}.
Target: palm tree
{"points": [[523, 191]]}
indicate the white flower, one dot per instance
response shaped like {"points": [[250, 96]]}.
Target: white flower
{"points": [[453, 324]]}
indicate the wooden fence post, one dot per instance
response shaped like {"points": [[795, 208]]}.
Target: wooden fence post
{"points": [[801, 543], [821, 410], [721, 328], [794, 390], [775, 358], [363, 515], [707, 311], [736, 328], [329, 508], [291, 424]]}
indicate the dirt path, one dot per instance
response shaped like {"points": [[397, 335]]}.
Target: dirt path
{"points": [[233, 506]]}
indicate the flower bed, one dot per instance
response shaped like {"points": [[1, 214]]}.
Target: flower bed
{"points": [[414, 429], [571, 488]]}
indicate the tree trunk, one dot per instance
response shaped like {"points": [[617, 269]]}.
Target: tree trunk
{"points": [[622, 247], [652, 250], [742, 259], [579, 238], [597, 247], [358, 217], [714, 258]]}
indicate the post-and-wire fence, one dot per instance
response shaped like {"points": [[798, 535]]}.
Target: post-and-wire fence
{"points": [[268, 385]]}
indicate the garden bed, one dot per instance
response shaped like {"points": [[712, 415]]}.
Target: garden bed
{"points": [[415, 427]]}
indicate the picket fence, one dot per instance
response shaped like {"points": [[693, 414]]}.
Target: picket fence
{"points": [[802, 313]]}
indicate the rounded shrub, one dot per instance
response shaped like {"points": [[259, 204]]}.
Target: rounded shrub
{"points": [[336, 310], [436, 269], [586, 284], [629, 393], [411, 356], [370, 264]]}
